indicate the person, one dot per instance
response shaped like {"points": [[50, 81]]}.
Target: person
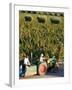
{"points": [[26, 61], [23, 66], [22, 69], [42, 58]]}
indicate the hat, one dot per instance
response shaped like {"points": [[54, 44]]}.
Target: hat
{"points": [[42, 55]]}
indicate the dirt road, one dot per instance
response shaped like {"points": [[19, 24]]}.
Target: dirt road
{"points": [[50, 74]]}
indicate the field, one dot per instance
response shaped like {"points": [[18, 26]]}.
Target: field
{"points": [[41, 32]]}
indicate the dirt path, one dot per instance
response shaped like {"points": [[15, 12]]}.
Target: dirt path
{"points": [[50, 74]]}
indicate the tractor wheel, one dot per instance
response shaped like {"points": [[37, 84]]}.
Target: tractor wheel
{"points": [[42, 69]]}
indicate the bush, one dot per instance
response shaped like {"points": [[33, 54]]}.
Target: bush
{"points": [[41, 19], [28, 11], [55, 14], [54, 20], [34, 12], [50, 14], [23, 11], [61, 14], [45, 13], [28, 18]]}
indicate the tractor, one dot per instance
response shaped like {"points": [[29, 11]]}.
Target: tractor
{"points": [[37, 68]]}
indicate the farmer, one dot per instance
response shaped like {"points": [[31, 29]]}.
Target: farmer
{"points": [[25, 64], [42, 58], [26, 61]]}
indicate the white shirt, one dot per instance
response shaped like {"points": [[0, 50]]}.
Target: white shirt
{"points": [[41, 59], [26, 61]]}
